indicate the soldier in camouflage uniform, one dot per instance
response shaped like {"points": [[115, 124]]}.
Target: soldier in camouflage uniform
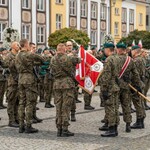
{"points": [[110, 90], [48, 82], [12, 87], [27, 87], [2, 79], [124, 96], [63, 88], [136, 99]]}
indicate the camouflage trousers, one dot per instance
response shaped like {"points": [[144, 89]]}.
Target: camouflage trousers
{"points": [[87, 99], [139, 106], [147, 86], [48, 89], [63, 99], [13, 102], [2, 91], [41, 88], [73, 106], [111, 109], [27, 95], [125, 100]]}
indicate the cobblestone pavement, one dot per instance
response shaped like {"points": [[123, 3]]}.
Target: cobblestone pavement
{"points": [[87, 136]]}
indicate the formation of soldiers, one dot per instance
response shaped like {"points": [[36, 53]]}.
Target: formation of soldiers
{"points": [[26, 73]]}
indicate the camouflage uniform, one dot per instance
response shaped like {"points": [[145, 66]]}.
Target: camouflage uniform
{"points": [[2, 82], [137, 100], [12, 89], [108, 84], [63, 88], [87, 98], [125, 98], [27, 85]]}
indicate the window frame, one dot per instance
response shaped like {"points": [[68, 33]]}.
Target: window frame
{"points": [[94, 12], [39, 35], [71, 8], [93, 37], [83, 9], [116, 29], [131, 16], [38, 6], [25, 34], [6, 2], [58, 22], [29, 3], [1, 31], [124, 15], [103, 12], [140, 19], [59, 2]]}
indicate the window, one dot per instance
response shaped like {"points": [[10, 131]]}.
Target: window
{"points": [[116, 28], [147, 20], [73, 6], [58, 21], [140, 19], [102, 37], [94, 10], [41, 34], [2, 27], [131, 16], [26, 4], [103, 12], [116, 11], [93, 37], [124, 15], [3, 2], [26, 34], [59, 1], [83, 9], [41, 5]]}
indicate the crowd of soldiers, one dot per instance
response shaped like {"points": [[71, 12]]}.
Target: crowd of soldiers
{"points": [[26, 73]]}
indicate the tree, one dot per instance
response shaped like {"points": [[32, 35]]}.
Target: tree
{"points": [[138, 35], [63, 35]]}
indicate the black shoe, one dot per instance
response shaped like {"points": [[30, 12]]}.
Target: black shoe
{"points": [[13, 124], [73, 118], [42, 100], [147, 107], [37, 108], [78, 101], [30, 130], [137, 124], [21, 129], [133, 110], [95, 91], [36, 119], [104, 127], [49, 106], [103, 121], [2, 107], [110, 133], [66, 133], [59, 132], [142, 122], [102, 104], [120, 114], [128, 128], [116, 130], [89, 108]]}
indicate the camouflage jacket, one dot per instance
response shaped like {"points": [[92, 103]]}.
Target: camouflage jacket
{"points": [[129, 72], [10, 62], [24, 63], [140, 66], [2, 67], [61, 79], [109, 76]]}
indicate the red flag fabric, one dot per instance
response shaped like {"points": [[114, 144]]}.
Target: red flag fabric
{"points": [[88, 71], [140, 44]]}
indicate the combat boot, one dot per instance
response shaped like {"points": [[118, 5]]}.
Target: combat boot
{"points": [[73, 117], [137, 124], [104, 127], [21, 129], [110, 133], [30, 129], [66, 133], [116, 130], [35, 118], [128, 127], [142, 122], [103, 121], [49, 105], [2, 106], [13, 124], [88, 107], [59, 132]]}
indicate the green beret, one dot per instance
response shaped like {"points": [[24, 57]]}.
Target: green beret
{"points": [[109, 45], [121, 45], [2, 49], [93, 47], [46, 48], [135, 47], [39, 51]]}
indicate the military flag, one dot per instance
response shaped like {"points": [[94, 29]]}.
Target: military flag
{"points": [[88, 71], [140, 44]]}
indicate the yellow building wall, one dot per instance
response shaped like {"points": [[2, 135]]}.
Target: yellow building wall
{"points": [[57, 9], [141, 9], [116, 18]]}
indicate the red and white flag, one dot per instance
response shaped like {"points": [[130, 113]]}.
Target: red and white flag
{"points": [[133, 43], [140, 44], [88, 71]]}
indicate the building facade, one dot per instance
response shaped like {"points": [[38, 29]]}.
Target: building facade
{"points": [[30, 18], [148, 15]]}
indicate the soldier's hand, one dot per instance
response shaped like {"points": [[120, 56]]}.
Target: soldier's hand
{"points": [[105, 95]]}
